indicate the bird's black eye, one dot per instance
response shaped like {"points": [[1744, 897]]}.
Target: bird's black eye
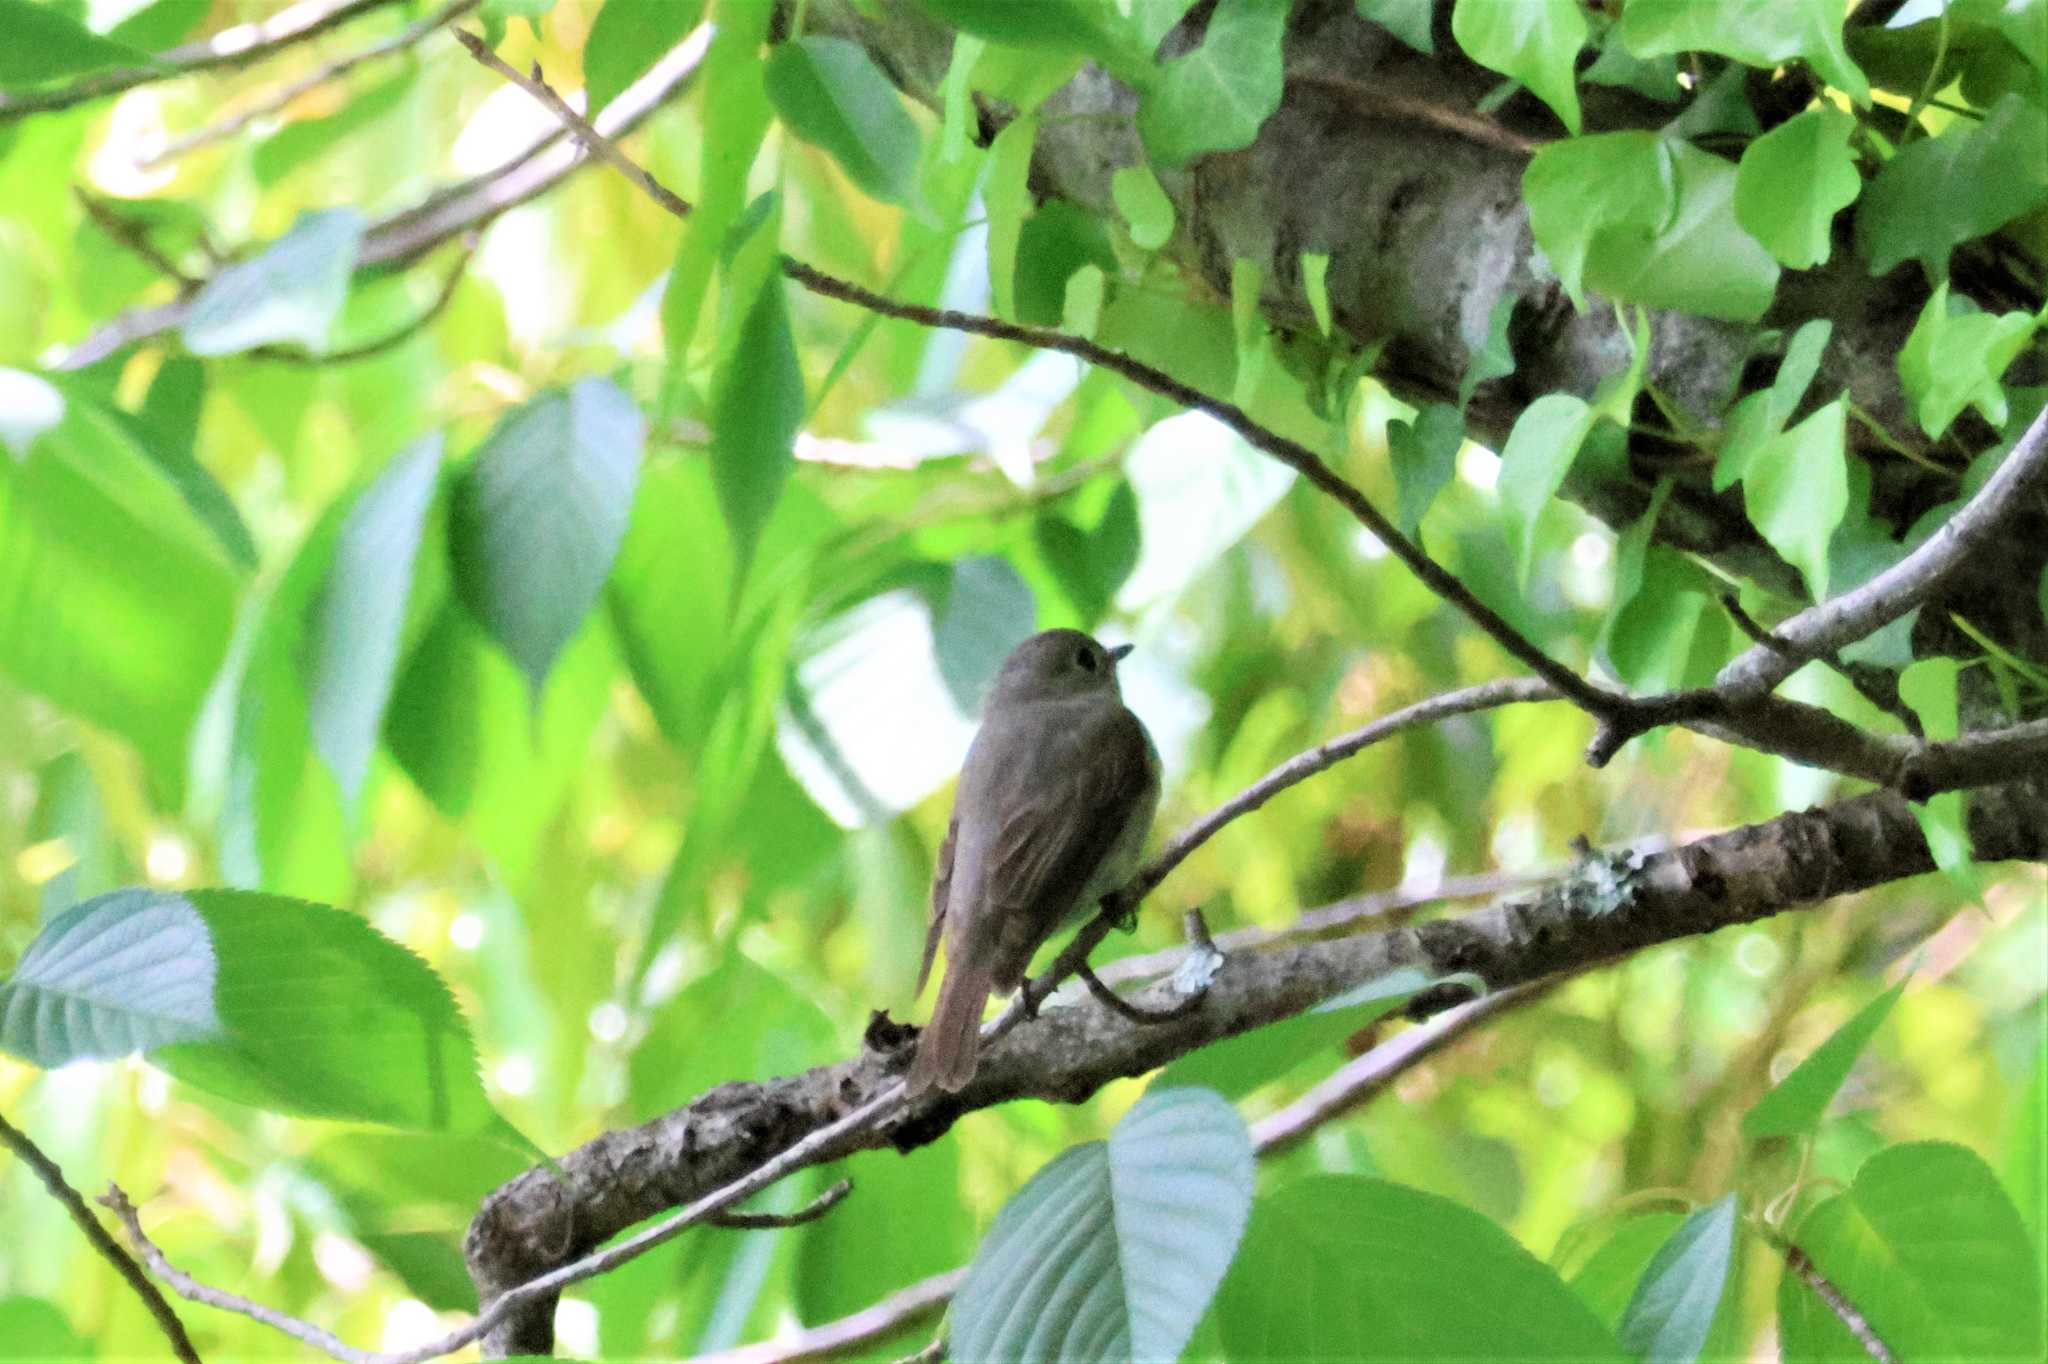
{"points": [[1086, 658]]}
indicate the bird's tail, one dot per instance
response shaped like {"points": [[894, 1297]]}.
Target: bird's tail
{"points": [[947, 1046]]}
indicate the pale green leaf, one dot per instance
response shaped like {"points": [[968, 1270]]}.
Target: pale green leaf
{"points": [[626, 38], [1668, 1318], [1793, 180], [1533, 464], [290, 293], [1578, 186], [1794, 1106], [1408, 20], [1315, 271], [1698, 260], [1955, 357], [1762, 33], [1424, 455], [1796, 488], [1144, 205], [1536, 42], [1008, 197], [1114, 1250]]}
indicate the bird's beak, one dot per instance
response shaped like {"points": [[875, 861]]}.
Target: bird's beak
{"points": [[1120, 651]]}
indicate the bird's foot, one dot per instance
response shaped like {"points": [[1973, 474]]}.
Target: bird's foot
{"points": [[1123, 914], [1115, 1003]]}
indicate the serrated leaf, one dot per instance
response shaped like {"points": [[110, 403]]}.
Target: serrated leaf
{"points": [[831, 93], [1796, 488], [1966, 182], [1793, 180], [269, 1001], [1215, 97], [1928, 1247], [291, 293], [1114, 1250], [1536, 42], [1794, 1105], [1144, 205], [626, 38], [354, 633], [1955, 357], [1672, 1310], [537, 517], [1762, 33], [1343, 1268], [758, 408], [1424, 454], [1533, 464], [44, 43], [129, 971]]}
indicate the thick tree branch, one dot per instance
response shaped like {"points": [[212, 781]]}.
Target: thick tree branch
{"points": [[110, 1250], [1607, 907], [2020, 480], [271, 103], [237, 46]]}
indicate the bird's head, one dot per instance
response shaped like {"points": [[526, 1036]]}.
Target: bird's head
{"points": [[1054, 664]]}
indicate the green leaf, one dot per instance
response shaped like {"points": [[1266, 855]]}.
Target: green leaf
{"points": [[1655, 79], [1114, 1250], [1056, 243], [1760, 418], [1214, 98], [830, 93], [1796, 488], [1762, 33], [1794, 1105], [758, 408], [1674, 1304], [1424, 454], [1930, 1249], [1928, 685], [770, 1026], [1091, 565], [1064, 25], [286, 1005], [1793, 180], [1955, 357], [34, 1330], [626, 38], [1408, 20], [1248, 328], [1338, 1267], [130, 971], [1578, 186], [1236, 1066], [161, 24], [1965, 183], [43, 43], [1607, 1278], [354, 633], [916, 1226], [1008, 197], [1535, 42], [167, 429], [307, 139], [1493, 357], [1146, 209], [290, 293], [538, 515], [116, 602], [1533, 464], [1696, 260]]}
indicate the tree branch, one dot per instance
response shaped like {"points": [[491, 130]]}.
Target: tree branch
{"points": [[110, 1250], [1846, 1312], [278, 99], [237, 46], [1840, 621]]}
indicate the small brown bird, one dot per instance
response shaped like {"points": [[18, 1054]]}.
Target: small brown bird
{"points": [[1054, 804]]}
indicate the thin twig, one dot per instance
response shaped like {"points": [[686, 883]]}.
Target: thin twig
{"points": [[764, 1221], [930, 1354], [237, 46], [279, 99], [1869, 682], [1589, 696], [1123, 1008], [1846, 1312], [110, 1250], [1840, 621], [132, 235]]}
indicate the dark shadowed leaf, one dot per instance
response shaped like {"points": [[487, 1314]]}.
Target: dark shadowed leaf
{"points": [[1942, 191], [989, 611], [1338, 1267], [538, 516], [759, 406], [831, 93], [1424, 454], [1114, 1250], [44, 43]]}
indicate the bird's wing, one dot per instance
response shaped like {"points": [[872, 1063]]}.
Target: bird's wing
{"points": [[942, 883], [1084, 789]]}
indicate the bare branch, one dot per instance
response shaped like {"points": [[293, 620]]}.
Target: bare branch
{"points": [[1840, 621], [1846, 1312], [279, 99], [764, 1221], [449, 213], [237, 46], [110, 1250]]}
